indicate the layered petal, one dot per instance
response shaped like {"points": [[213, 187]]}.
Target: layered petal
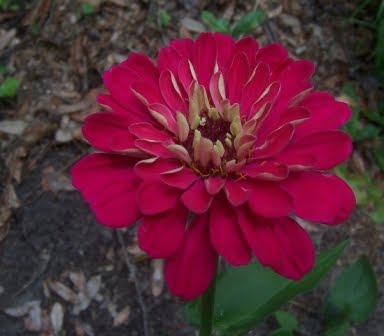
{"points": [[189, 272], [279, 243], [196, 198], [225, 234], [320, 197]]}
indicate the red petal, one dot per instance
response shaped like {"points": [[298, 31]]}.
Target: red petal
{"points": [[279, 243], [108, 183], [214, 184], [186, 74], [268, 199], [161, 235], [226, 237], [249, 47], [135, 111], [164, 116], [180, 178], [204, 58], [108, 131], [320, 197], [275, 142], [172, 92], [147, 131], [196, 198], [189, 272], [155, 148], [272, 55], [323, 150], [324, 115], [266, 170], [225, 47], [254, 88], [237, 77], [156, 197], [150, 169], [235, 193], [142, 66], [147, 93]]}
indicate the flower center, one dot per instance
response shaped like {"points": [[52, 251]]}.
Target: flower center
{"points": [[212, 140]]}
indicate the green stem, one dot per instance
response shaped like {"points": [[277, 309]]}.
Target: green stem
{"points": [[207, 307]]}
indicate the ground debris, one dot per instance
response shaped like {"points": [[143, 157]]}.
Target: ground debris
{"points": [[157, 284], [13, 127], [55, 181]]}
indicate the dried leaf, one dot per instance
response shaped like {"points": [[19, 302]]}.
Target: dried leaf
{"points": [[33, 322], [6, 36], [57, 316], [63, 291], [93, 286], [79, 280], [13, 127], [192, 25], [22, 310], [122, 316], [5, 215]]}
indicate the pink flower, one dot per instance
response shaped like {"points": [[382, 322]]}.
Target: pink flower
{"points": [[229, 132]]}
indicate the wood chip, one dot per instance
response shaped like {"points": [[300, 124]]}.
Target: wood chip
{"points": [[192, 25], [55, 181], [13, 127], [63, 291], [122, 316], [22, 310], [57, 317]]}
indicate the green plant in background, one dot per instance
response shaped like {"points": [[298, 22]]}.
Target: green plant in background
{"points": [[164, 18], [366, 125], [9, 87], [239, 309], [351, 299], [85, 9], [287, 322], [9, 5], [245, 25]]}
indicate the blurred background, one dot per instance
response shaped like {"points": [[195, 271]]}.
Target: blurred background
{"points": [[60, 273]]}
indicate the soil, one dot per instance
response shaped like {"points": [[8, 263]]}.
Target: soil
{"points": [[53, 254]]}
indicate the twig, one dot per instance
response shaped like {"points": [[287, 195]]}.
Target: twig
{"points": [[132, 276], [269, 32]]}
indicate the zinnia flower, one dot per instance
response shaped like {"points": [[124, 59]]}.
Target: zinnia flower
{"points": [[215, 148]]}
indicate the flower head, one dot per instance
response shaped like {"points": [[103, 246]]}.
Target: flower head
{"points": [[214, 148]]}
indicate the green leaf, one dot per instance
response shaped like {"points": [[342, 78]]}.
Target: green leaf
{"points": [[354, 294], [286, 320], [164, 18], [378, 213], [380, 49], [87, 9], [218, 25], [247, 295], [248, 23], [339, 329], [9, 87], [281, 332]]}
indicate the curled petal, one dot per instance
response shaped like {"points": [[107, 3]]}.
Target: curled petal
{"points": [[147, 131], [279, 243], [171, 92], [181, 177], [266, 170], [320, 197], [150, 169], [189, 272], [237, 76]]}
